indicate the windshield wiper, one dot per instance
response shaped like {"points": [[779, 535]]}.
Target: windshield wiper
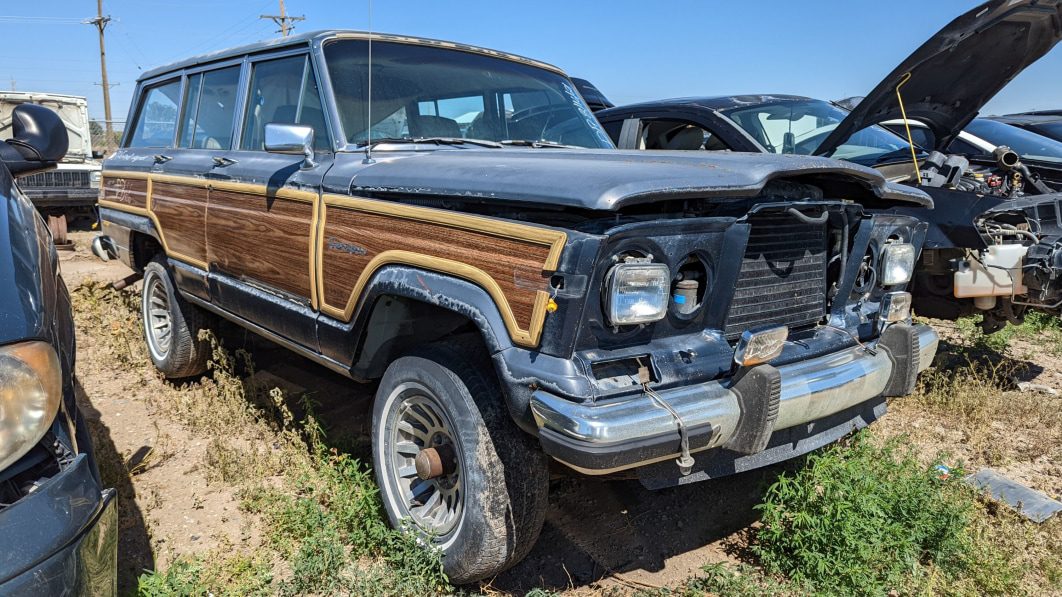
{"points": [[435, 140], [532, 143]]}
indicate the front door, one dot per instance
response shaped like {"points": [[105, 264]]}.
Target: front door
{"points": [[263, 206]]}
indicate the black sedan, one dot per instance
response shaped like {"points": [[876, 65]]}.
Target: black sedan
{"points": [[58, 525], [1047, 123]]}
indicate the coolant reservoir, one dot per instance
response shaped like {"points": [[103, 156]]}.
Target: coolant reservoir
{"points": [[992, 272]]}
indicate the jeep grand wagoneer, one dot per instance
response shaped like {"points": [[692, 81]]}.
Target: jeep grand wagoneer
{"points": [[469, 240]]}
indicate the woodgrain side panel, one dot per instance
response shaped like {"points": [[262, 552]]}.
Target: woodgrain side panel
{"points": [[351, 239], [129, 192], [180, 212], [266, 239]]}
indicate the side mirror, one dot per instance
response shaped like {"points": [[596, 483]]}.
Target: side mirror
{"points": [[39, 140], [290, 139]]}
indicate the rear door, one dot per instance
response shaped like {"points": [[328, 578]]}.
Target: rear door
{"points": [[180, 181], [263, 206]]}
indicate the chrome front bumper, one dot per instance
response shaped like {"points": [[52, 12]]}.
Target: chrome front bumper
{"points": [[809, 390]]}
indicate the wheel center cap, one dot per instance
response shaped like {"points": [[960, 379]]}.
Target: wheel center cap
{"points": [[435, 462]]}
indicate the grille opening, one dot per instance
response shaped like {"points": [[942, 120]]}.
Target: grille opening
{"points": [[624, 369], [56, 178], [783, 275]]}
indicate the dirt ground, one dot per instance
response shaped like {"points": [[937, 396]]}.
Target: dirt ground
{"points": [[598, 534]]}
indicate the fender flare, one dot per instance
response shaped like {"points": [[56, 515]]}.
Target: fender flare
{"points": [[519, 370]]}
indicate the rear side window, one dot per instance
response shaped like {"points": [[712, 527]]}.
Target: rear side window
{"points": [[209, 108], [156, 118], [283, 91]]}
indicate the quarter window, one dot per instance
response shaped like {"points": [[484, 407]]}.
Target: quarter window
{"points": [[283, 91], [209, 107], [156, 120]]}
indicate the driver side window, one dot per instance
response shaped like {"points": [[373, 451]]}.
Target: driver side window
{"points": [[283, 90]]}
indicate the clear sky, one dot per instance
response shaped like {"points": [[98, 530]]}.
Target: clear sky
{"points": [[632, 50]]}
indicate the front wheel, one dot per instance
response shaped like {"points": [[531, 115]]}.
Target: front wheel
{"points": [[451, 464], [171, 325]]}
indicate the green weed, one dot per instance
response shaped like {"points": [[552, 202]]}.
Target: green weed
{"points": [[870, 519], [214, 575]]}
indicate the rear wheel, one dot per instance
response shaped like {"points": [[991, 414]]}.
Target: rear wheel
{"points": [[451, 464], [171, 325]]}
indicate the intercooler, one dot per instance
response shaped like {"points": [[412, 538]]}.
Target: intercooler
{"points": [[783, 276]]}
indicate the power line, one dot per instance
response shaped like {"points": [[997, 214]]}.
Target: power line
{"points": [[40, 20]]}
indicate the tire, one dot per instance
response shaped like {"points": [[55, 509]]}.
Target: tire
{"points": [[500, 473], [171, 325]]}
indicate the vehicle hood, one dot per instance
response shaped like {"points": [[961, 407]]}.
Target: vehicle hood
{"points": [[608, 180], [958, 70]]}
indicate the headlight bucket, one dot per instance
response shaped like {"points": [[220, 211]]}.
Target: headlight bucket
{"points": [[897, 263], [637, 293], [31, 388]]}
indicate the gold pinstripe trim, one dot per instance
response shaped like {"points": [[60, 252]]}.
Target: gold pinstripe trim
{"points": [[146, 211], [528, 337], [554, 239], [221, 185]]}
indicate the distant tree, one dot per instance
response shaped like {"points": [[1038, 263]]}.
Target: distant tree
{"points": [[99, 137]]}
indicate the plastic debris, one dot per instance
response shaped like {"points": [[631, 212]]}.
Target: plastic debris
{"points": [[1032, 504]]}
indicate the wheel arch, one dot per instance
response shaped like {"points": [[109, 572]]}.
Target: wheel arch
{"points": [[404, 307]]}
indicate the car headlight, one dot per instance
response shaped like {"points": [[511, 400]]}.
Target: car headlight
{"points": [[637, 292], [94, 179], [897, 263], [31, 388]]}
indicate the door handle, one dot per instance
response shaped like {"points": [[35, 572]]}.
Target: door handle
{"points": [[162, 159], [221, 161]]}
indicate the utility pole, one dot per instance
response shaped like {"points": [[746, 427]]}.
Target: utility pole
{"points": [[101, 23], [283, 21]]}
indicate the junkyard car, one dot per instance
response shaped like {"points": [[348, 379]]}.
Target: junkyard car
{"points": [[58, 527], [1047, 123], [994, 245], [70, 190], [519, 290]]}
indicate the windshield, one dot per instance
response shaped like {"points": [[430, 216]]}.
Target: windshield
{"points": [[1051, 129], [422, 91], [801, 126], [1028, 144]]}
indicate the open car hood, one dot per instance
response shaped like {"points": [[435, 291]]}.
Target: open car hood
{"points": [[958, 70]]}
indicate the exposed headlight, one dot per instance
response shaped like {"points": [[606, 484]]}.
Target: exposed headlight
{"points": [[94, 179], [31, 388], [637, 293], [897, 263]]}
